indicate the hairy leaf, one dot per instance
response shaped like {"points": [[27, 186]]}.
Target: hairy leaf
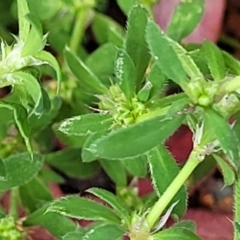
{"points": [[225, 135], [175, 233], [84, 125], [214, 60], [125, 72], [112, 200], [162, 164], [135, 42], [164, 54], [82, 208], [104, 232], [135, 139]]}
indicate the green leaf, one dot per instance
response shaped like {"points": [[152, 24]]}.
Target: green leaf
{"points": [[74, 235], [55, 223], [87, 155], [2, 170], [32, 87], [175, 233], [126, 5], [214, 59], [188, 63], [34, 194], [38, 124], [136, 166], [186, 17], [227, 171], [82, 208], [86, 77], [106, 30], [69, 162], [24, 25], [135, 42], [20, 169], [141, 137], [225, 135], [34, 41], [187, 224], [125, 72], [49, 59], [84, 125], [237, 228], [231, 63], [104, 232], [178, 106], [162, 164], [119, 177], [157, 79], [144, 93], [165, 56], [20, 116], [112, 200], [44, 9], [104, 69]]}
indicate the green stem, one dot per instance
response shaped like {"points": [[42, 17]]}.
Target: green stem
{"points": [[78, 29], [172, 189], [230, 41], [13, 211], [237, 207]]}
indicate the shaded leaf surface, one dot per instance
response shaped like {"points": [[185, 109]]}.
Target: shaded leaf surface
{"points": [[20, 169]]}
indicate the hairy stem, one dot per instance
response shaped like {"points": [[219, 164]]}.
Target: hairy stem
{"points": [[172, 189]]}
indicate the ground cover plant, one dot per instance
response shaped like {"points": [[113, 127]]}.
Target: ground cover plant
{"points": [[111, 109]]}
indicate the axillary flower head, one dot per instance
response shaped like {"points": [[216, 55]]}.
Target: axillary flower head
{"points": [[124, 111]]}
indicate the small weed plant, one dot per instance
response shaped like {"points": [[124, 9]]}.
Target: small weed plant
{"points": [[111, 109]]}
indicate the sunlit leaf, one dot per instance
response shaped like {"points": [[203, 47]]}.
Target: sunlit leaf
{"points": [[82, 208], [135, 139], [136, 166]]}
